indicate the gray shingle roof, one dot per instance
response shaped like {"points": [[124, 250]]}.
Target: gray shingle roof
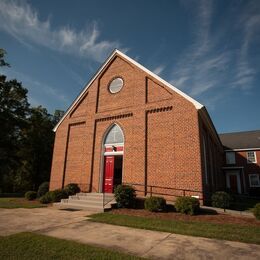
{"points": [[241, 140]]}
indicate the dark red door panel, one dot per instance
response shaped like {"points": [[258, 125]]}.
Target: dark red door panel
{"points": [[108, 174], [233, 183]]}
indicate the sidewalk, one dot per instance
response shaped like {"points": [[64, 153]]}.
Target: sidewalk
{"points": [[151, 244]]}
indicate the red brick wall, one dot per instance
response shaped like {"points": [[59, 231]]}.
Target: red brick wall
{"points": [[161, 128], [215, 179]]}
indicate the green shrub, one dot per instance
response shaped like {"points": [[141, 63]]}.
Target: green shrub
{"points": [[125, 196], [187, 205], [30, 195], [256, 210], [43, 189], [72, 189], [155, 204], [58, 195], [46, 198], [221, 199]]}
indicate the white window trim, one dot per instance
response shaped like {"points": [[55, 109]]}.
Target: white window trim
{"points": [[254, 174], [113, 153], [116, 91], [249, 162], [231, 152], [114, 144]]}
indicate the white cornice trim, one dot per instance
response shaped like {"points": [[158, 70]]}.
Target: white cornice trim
{"points": [[233, 167], [245, 149], [193, 101], [119, 53]]}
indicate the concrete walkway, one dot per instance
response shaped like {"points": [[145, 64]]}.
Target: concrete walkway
{"points": [[145, 243]]}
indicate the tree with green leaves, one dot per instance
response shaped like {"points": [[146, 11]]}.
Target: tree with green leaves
{"points": [[2, 61], [26, 138], [37, 146], [14, 110]]}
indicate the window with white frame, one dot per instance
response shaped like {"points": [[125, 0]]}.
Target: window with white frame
{"points": [[251, 157], [115, 135], [230, 158], [254, 180]]}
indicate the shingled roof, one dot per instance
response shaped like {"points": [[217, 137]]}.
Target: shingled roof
{"points": [[241, 140]]}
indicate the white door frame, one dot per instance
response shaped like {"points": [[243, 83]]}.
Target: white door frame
{"points": [[237, 174]]}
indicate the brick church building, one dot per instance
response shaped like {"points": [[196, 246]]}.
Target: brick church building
{"points": [[130, 126]]}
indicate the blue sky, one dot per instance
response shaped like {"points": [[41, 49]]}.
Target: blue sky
{"points": [[208, 49]]}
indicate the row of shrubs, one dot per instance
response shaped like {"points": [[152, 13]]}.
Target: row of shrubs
{"points": [[45, 196], [125, 196], [222, 199]]}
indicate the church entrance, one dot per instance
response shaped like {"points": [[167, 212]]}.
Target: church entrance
{"points": [[112, 173], [113, 159]]}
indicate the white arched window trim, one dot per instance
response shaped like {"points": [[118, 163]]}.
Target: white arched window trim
{"points": [[104, 153], [114, 136]]}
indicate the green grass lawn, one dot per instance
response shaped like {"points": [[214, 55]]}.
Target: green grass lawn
{"points": [[13, 203], [247, 234], [35, 246]]}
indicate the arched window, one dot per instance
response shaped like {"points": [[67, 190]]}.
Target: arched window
{"points": [[115, 135]]}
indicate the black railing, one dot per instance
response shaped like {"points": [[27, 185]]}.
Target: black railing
{"points": [[104, 200], [153, 190]]}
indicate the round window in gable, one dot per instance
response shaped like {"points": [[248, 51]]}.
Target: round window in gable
{"points": [[116, 85]]}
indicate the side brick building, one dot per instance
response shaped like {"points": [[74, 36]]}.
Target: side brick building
{"points": [[242, 164]]}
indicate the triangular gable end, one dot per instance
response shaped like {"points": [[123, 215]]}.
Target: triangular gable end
{"points": [[108, 60]]}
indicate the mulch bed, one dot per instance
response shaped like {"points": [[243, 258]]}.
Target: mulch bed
{"points": [[205, 216]]}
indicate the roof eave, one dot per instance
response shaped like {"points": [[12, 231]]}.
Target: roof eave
{"points": [[115, 52]]}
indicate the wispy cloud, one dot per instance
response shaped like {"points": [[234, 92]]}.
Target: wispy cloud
{"points": [[21, 21], [196, 72], [209, 63], [158, 70], [250, 24]]}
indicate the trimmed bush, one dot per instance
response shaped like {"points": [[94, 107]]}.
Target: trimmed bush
{"points": [[30, 195], [46, 198], [221, 199], [155, 204], [187, 205], [72, 189], [255, 192], [43, 189], [125, 196], [256, 210], [58, 195]]}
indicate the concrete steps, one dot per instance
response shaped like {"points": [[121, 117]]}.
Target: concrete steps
{"points": [[97, 202]]}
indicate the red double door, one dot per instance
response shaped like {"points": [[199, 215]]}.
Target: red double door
{"points": [[108, 183]]}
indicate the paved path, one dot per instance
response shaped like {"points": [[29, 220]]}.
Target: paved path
{"points": [[145, 243], [22, 220]]}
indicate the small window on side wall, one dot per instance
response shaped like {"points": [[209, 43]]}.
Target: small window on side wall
{"points": [[251, 157], [254, 180], [230, 158]]}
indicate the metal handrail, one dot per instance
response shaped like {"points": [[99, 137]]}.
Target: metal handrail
{"points": [[151, 192], [104, 202]]}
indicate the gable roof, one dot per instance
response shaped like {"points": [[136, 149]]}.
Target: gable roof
{"points": [[241, 140], [120, 54]]}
